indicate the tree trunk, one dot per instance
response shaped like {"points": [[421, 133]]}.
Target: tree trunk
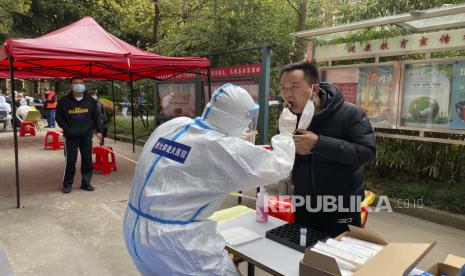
{"points": [[156, 21], [301, 22], [185, 10]]}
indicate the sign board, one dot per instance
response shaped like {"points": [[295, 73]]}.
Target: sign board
{"points": [[250, 85], [457, 97], [177, 95], [377, 94], [425, 94], [373, 88], [346, 79], [177, 99], [249, 70], [401, 45]]}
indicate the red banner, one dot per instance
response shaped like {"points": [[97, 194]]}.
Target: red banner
{"points": [[249, 70], [349, 91]]}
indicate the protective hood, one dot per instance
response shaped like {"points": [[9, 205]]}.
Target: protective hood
{"points": [[230, 110]]}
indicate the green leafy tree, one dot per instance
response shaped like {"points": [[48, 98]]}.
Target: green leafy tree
{"points": [[8, 10]]}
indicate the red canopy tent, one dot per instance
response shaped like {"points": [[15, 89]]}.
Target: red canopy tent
{"points": [[84, 49]]}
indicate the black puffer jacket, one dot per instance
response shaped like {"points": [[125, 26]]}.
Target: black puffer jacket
{"points": [[346, 142]]}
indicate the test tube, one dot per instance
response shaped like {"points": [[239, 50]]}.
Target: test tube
{"points": [[303, 237]]}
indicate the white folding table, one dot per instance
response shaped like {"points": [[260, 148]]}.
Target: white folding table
{"points": [[264, 253]]}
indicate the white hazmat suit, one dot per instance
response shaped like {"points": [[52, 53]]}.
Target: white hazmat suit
{"points": [[186, 168]]}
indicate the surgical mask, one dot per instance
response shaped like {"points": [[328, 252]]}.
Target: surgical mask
{"points": [[79, 88], [95, 97], [308, 112], [307, 115]]}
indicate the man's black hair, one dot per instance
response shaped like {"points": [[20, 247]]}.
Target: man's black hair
{"points": [[310, 71], [75, 78]]}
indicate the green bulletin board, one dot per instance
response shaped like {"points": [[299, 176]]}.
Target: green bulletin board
{"points": [[426, 94]]}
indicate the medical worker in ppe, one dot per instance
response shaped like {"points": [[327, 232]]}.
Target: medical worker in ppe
{"points": [[186, 168]]}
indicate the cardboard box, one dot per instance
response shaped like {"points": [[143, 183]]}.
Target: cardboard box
{"points": [[395, 258], [451, 266]]}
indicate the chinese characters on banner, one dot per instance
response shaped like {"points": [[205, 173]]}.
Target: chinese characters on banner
{"points": [[249, 70], [250, 85], [178, 98], [377, 94], [405, 44], [221, 76], [425, 99]]}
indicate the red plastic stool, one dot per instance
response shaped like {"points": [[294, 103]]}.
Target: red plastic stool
{"points": [[102, 162], [55, 144], [27, 128]]}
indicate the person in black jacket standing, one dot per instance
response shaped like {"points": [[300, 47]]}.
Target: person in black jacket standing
{"points": [[330, 153], [103, 115], [78, 116]]}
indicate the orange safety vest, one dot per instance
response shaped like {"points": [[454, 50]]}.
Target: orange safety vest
{"points": [[50, 105]]}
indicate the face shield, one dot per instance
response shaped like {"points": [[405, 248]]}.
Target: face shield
{"points": [[251, 130]]}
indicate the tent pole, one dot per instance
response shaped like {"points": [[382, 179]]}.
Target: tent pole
{"points": [[209, 85], [15, 128], [114, 109], [132, 113]]}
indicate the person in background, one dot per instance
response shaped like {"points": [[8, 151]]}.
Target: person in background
{"points": [[330, 152], [18, 97], [103, 115], [5, 110], [50, 105], [186, 169], [78, 116], [142, 103], [125, 105], [22, 110], [166, 107], [23, 91]]}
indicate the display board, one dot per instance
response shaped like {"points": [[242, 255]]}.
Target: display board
{"points": [[457, 98], [426, 94], [346, 79], [250, 85], [184, 95], [177, 99], [377, 94], [373, 88]]}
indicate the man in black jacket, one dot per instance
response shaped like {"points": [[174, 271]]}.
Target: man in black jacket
{"points": [[330, 153], [78, 116]]}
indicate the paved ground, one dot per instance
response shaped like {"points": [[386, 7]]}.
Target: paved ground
{"points": [[81, 233]]}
